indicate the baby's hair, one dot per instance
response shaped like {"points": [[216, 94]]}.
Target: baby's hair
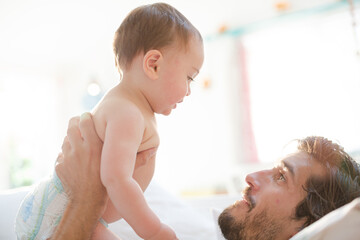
{"points": [[152, 26]]}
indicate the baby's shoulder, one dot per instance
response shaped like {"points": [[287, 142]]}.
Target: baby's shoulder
{"points": [[117, 107], [119, 103], [123, 106]]}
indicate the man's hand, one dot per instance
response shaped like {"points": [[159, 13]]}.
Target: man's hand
{"points": [[78, 167]]}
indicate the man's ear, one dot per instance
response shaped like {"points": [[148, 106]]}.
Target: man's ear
{"points": [[151, 63]]}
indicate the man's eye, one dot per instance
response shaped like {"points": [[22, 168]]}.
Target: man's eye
{"points": [[281, 177]]}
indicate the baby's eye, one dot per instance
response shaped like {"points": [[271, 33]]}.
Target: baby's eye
{"points": [[190, 79]]}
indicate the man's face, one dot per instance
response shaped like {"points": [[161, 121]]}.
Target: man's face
{"points": [[268, 205]]}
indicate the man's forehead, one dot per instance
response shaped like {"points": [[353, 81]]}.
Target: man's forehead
{"points": [[300, 159], [294, 162]]}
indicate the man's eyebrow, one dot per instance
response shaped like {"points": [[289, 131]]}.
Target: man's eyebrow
{"points": [[290, 168]]}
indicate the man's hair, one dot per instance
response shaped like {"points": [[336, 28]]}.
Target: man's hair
{"points": [[152, 26], [340, 185]]}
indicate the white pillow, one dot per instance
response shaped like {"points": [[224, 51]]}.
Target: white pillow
{"points": [[216, 213], [342, 223], [9, 203], [186, 221]]}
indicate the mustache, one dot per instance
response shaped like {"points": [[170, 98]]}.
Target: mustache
{"points": [[248, 197]]}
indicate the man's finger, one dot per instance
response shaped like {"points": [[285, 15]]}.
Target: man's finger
{"points": [[60, 158], [87, 129], [73, 132], [66, 147], [60, 171]]}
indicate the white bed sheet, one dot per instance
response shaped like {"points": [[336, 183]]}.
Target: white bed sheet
{"points": [[188, 222], [191, 219]]}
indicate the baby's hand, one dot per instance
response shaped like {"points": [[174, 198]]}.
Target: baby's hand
{"points": [[165, 233]]}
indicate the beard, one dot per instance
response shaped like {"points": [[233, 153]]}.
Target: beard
{"points": [[260, 226]]}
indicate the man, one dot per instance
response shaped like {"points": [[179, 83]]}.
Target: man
{"points": [[305, 186], [317, 179]]}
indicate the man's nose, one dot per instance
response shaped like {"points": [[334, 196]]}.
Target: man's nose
{"points": [[257, 179]]}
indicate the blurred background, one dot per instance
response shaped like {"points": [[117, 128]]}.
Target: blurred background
{"points": [[274, 71]]}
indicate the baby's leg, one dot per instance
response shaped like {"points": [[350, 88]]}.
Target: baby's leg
{"points": [[103, 233]]}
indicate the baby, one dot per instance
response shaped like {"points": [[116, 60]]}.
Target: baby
{"points": [[158, 53]]}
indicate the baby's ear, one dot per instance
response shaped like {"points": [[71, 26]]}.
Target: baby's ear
{"points": [[151, 63]]}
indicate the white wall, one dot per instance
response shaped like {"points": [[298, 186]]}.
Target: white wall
{"points": [[305, 80]]}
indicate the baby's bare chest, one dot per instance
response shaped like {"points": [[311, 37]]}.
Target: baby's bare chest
{"points": [[150, 136], [145, 161]]}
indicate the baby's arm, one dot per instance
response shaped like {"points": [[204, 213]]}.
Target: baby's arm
{"points": [[123, 136]]}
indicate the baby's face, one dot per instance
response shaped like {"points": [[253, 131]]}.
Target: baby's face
{"points": [[178, 70]]}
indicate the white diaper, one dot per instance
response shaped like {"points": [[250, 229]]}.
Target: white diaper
{"points": [[41, 210]]}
